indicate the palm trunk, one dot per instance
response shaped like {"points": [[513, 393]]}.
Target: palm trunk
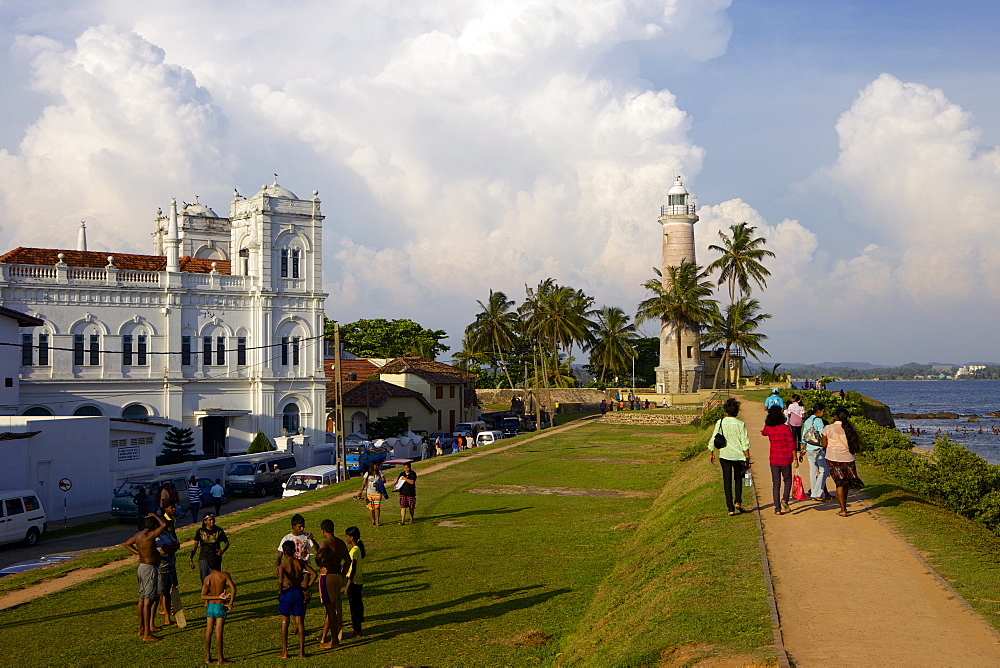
{"points": [[715, 382], [680, 361], [496, 349]]}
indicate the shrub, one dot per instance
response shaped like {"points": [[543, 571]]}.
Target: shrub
{"points": [[261, 443], [709, 417], [177, 445]]}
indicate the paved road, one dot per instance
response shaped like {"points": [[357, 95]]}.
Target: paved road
{"points": [[101, 538]]}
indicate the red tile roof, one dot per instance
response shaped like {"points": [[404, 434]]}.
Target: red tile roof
{"points": [[436, 373], [362, 367], [372, 393], [99, 260]]}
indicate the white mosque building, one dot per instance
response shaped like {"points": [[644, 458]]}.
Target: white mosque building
{"points": [[219, 330]]}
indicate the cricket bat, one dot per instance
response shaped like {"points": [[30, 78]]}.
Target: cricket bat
{"points": [[178, 608]]}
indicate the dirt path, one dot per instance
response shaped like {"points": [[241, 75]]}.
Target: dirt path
{"points": [[850, 592], [75, 577]]}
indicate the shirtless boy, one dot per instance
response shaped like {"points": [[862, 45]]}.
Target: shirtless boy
{"points": [[143, 544], [334, 560], [295, 578], [219, 592]]}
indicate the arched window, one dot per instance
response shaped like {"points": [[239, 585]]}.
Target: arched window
{"points": [[290, 418], [135, 412], [88, 411], [38, 411]]}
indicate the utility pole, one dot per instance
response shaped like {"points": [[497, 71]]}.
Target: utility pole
{"points": [[338, 406]]}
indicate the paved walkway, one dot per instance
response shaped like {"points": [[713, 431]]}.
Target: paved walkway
{"points": [[850, 593]]}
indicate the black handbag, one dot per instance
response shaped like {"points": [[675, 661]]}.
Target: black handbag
{"points": [[720, 440]]}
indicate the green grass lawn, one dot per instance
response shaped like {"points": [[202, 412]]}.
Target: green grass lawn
{"points": [[489, 575]]}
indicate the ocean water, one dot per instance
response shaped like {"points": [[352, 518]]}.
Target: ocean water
{"points": [[968, 398]]}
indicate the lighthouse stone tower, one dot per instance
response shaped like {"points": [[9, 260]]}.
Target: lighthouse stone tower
{"points": [[677, 218]]}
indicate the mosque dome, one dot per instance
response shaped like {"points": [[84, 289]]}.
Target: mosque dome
{"points": [[274, 190], [198, 209]]}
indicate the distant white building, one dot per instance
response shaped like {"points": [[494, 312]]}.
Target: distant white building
{"points": [[220, 330], [969, 370]]}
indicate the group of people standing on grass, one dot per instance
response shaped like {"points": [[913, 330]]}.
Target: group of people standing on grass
{"points": [[793, 435], [337, 572]]}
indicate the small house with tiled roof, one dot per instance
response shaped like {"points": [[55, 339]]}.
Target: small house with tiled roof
{"points": [[367, 401], [448, 389], [220, 329]]}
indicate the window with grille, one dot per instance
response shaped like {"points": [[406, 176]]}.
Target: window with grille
{"points": [[185, 351], [295, 351], [206, 349], [295, 264], [284, 351], [127, 349], [220, 351], [284, 263], [43, 349], [241, 351], [142, 350], [95, 350], [26, 351], [78, 349]]}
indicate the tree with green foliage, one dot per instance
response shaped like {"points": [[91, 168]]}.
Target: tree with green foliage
{"points": [[261, 443], [736, 328], [390, 338], [612, 337], [388, 427], [682, 300], [741, 261], [493, 329], [178, 443], [556, 316]]}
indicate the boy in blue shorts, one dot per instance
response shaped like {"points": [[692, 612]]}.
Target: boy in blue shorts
{"points": [[220, 592], [295, 578]]}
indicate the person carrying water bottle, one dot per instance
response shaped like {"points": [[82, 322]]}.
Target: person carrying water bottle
{"points": [[734, 456]]}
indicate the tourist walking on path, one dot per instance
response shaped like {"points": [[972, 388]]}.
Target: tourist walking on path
{"points": [[796, 413], [814, 453], [194, 499], [407, 492], [210, 539], [783, 449], [734, 456], [774, 400], [841, 442], [372, 494], [352, 588]]}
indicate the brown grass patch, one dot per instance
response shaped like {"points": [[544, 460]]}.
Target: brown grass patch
{"points": [[611, 460], [626, 526], [531, 639]]}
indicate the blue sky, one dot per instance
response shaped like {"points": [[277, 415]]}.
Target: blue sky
{"points": [[464, 146]]}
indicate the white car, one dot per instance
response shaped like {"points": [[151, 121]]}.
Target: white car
{"points": [[22, 518]]}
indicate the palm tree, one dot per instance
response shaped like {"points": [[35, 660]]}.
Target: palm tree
{"points": [[556, 316], [612, 336], [741, 260], [682, 300], [494, 328], [737, 328], [469, 357]]}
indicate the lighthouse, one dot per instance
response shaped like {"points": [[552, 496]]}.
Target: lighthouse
{"points": [[677, 218]]}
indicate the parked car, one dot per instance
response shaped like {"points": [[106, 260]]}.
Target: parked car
{"points": [[488, 437], [22, 517], [123, 503], [255, 475], [306, 480], [469, 429], [362, 454]]}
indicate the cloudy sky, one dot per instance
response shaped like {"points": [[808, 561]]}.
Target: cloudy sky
{"points": [[464, 146]]}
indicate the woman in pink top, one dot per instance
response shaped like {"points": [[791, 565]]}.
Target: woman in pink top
{"points": [[840, 441]]}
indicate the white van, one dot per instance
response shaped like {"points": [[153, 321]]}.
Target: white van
{"points": [[469, 429], [488, 437], [306, 480], [22, 517], [255, 475]]}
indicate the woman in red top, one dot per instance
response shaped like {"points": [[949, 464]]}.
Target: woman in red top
{"points": [[782, 455]]}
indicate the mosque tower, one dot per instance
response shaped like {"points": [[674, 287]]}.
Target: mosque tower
{"points": [[678, 218]]}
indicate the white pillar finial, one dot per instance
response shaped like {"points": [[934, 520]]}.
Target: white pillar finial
{"points": [[81, 237], [172, 242]]}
